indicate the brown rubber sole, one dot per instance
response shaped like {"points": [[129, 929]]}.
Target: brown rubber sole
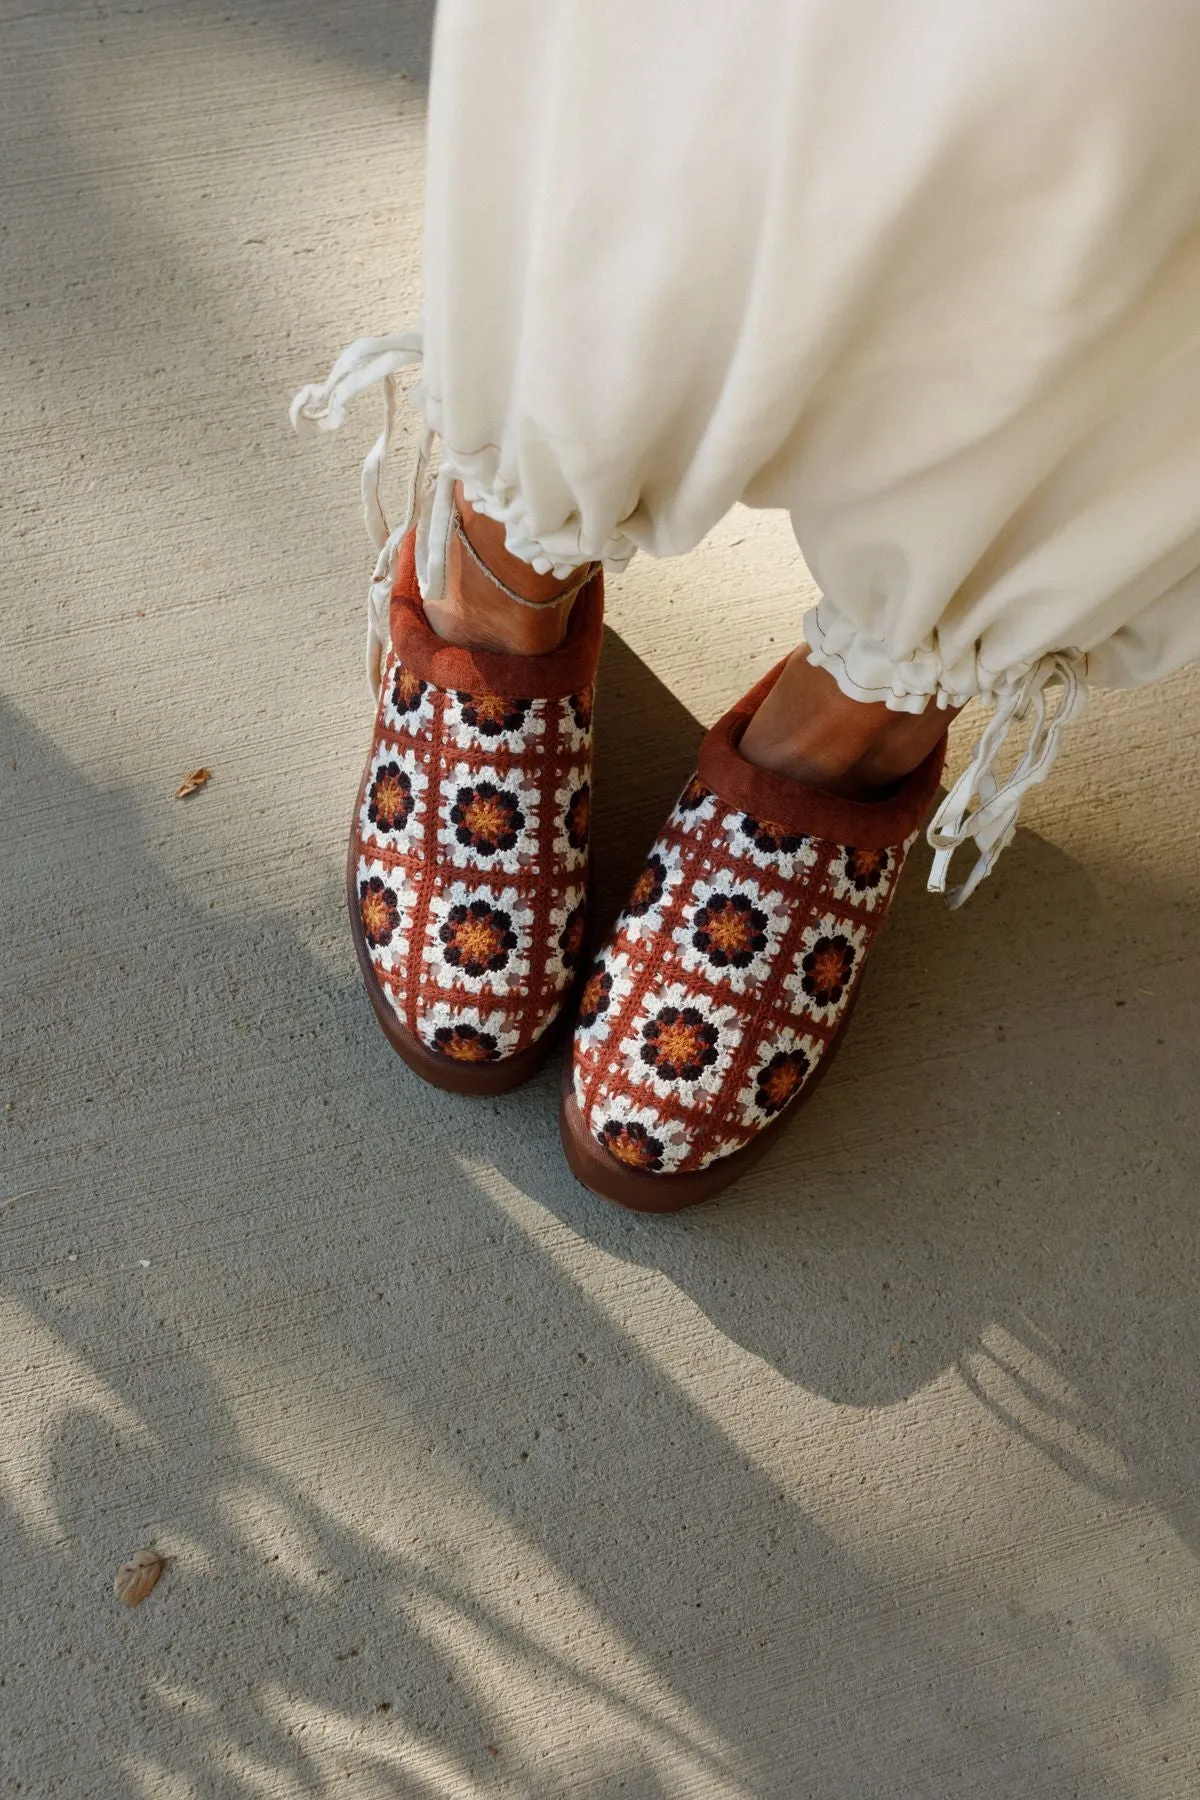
{"points": [[483, 1078], [640, 1191]]}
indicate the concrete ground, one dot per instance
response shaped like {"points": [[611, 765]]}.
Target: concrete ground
{"points": [[876, 1481]]}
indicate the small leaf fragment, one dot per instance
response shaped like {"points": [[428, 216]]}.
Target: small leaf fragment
{"points": [[191, 782], [136, 1577]]}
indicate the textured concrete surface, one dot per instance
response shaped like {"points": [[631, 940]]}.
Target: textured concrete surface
{"points": [[878, 1479]]}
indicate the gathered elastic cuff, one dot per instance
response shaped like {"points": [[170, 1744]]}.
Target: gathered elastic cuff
{"points": [[555, 553], [866, 670]]}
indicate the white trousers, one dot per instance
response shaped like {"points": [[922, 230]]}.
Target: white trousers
{"points": [[925, 275]]}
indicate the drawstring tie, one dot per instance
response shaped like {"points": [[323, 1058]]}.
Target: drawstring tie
{"points": [[365, 364], [980, 808]]}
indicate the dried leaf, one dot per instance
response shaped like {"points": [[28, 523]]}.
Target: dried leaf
{"points": [[136, 1577], [191, 782]]}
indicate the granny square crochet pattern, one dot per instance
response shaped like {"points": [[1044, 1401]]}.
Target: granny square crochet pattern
{"points": [[723, 987], [468, 862]]}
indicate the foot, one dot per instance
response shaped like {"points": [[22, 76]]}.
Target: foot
{"points": [[721, 996]]}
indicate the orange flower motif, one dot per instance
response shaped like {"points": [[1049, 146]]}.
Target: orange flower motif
{"points": [[648, 888], [407, 690], [827, 969], [769, 837], [487, 817], [478, 938], [465, 1043], [632, 1145], [491, 714], [579, 817], [379, 911], [780, 1080], [730, 930], [867, 868], [390, 801], [595, 997], [679, 1043], [570, 938]]}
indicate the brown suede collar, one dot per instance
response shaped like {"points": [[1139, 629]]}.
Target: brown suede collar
{"points": [[805, 811], [554, 676]]}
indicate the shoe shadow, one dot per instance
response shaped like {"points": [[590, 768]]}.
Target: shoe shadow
{"points": [[646, 744], [999, 1171]]}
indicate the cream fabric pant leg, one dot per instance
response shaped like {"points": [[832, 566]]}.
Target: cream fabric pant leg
{"points": [[926, 276]]}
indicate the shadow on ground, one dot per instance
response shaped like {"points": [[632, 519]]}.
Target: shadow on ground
{"points": [[295, 1168], [999, 1172]]}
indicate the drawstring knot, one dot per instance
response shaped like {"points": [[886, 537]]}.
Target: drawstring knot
{"points": [[367, 363], [364, 364], [980, 808]]}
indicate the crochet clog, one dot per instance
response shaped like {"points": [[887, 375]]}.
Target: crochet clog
{"points": [[721, 995], [467, 871]]}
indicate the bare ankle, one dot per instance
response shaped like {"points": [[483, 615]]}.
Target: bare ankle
{"points": [[475, 609], [808, 729]]}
